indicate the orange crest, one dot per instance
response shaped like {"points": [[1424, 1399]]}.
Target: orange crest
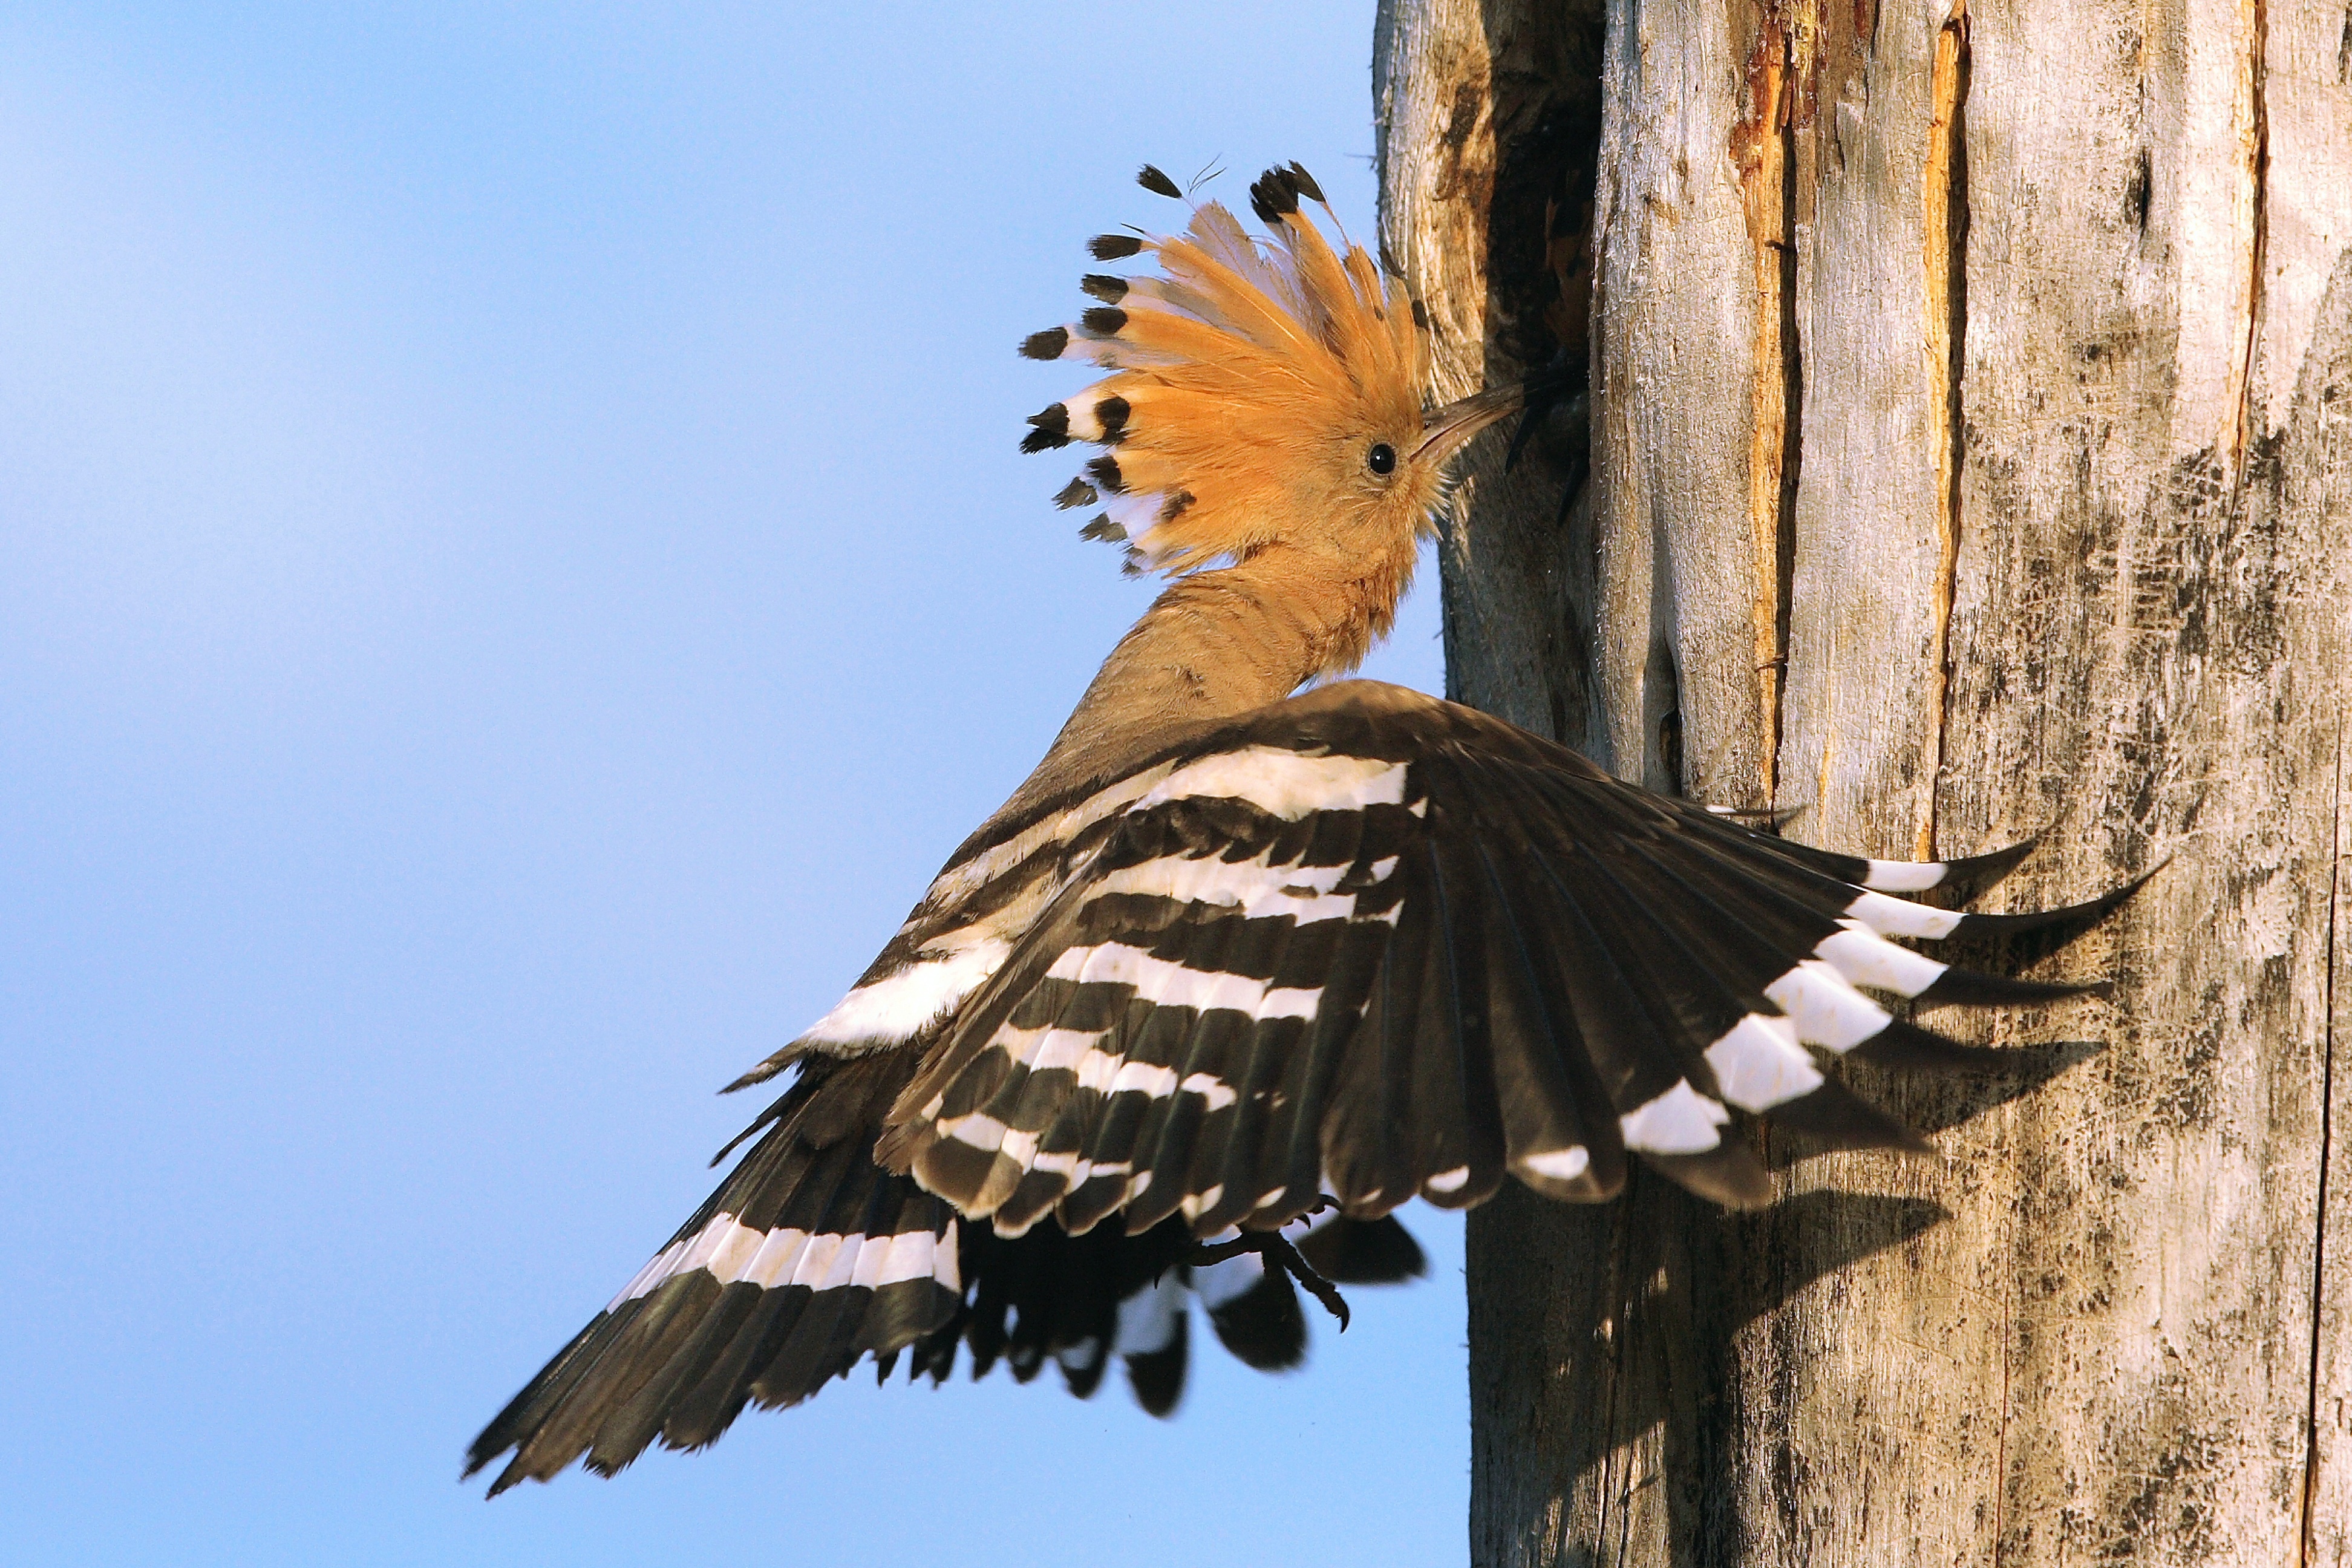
{"points": [[1251, 379]]}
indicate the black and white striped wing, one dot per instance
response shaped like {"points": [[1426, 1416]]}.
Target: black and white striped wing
{"points": [[807, 1257], [810, 1258], [1371, 944]]}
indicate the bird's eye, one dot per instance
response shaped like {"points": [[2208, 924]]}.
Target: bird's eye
{"points": [[1382, 459]]}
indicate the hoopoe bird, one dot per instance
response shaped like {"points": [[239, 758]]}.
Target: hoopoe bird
{"points": [[1255, 944]]}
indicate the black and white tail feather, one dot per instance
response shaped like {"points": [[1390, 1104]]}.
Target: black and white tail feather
{"points": [[1211, 978]]}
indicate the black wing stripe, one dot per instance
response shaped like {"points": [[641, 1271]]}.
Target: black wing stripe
{"points": [[1260, 1323], [1708, 910], [1620, 1035], [1433, 1070], [1308, 1122], [1163, 1148], [1456, 1155], [1859, 956], [819, 1344], [1228, 1164], [1865, 957], [1843, 1122], [1671, 975], [1658, 1082], [647, 1328], [1969, 875], [1250, 1167], [1687, 1116], [1747, 1053], [623, 1434], [1193, 968], [1502, 1006], [659, 1404], [1172, 1125], [520, 1422], [1732, 1042], [1156, 1376], [1051, 1057], [1827, 1010], [1550, 1098], [1360, 1123], [1362, 1252], [1887, 916], [1200, 1125], [1154, 1047], [1680, 1129]]}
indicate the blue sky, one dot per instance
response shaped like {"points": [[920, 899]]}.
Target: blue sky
{"points": [[513, 572]]}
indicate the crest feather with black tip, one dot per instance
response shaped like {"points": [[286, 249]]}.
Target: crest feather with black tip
{"points": [[1234, 366]]}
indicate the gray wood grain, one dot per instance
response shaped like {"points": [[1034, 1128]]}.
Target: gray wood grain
{"points": [[2111, 429]]}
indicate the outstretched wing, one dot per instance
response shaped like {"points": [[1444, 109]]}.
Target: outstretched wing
{"points": [[807, 1257], [1369, 944], [810, 1258]]}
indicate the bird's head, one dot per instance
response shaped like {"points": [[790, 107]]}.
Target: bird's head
{"points": [[1265, 393]]}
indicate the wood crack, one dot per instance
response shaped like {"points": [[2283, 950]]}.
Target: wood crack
{"points": [[1620, 1443], [2259, 160], [1792, 455], [1764, 153], [1946, 261], [2308, 1537]]}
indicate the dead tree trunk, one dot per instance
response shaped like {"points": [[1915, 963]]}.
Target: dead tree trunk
{"points": [[1968, 455]]}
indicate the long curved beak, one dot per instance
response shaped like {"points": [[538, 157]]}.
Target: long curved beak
{"points": [[1451, 427]]}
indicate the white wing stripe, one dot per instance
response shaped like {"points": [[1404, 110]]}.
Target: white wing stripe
{"points": [[1903, 876], [658, 1268], [1146, 1078], [897, 1006], [1215, 1090], [1171, 984], [1284, 783], [1900, 917], [1254, 887], [1825, 1009], [960, 882], [845, 1262], [979, 1129], [1560, 1164], [1865, 957], [1680, 1121], [776, 1258], [734, 1252], [1758, 1063], [816, 1259]]}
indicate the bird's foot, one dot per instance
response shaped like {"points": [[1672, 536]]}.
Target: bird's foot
{"points": [[1277, 1252]]}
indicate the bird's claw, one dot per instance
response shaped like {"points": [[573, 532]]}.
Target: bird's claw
{"points": [[1276, 1251]]}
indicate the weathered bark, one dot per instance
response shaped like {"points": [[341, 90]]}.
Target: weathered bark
{"points": [[1968, 455]]}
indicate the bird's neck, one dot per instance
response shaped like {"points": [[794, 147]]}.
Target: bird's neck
{"points": [[1219, 644]]}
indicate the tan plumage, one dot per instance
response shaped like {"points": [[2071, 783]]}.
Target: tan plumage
{"points": [[1265, 419]]}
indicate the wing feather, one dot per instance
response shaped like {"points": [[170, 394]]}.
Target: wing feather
{"points": [[1361, 944], [1299, 984]]}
